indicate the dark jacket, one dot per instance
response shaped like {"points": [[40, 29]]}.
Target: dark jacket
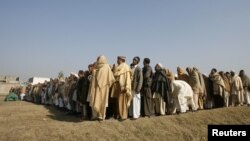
{"points": [[147, 76], [137, 79], [161, 85]]}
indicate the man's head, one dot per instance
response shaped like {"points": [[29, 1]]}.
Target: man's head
{"points": [[158, 67], [213, 71], [90, 67], [136, 60], [80, 73], [121, 59], [146, 61], [227, 74], [242, 73], [189, 70], [232, 73]]}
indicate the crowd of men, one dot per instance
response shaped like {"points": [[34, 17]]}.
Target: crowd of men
{"points": [[125, 91]]}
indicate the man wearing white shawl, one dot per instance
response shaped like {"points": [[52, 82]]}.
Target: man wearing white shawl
{"points": [[183, 96]]}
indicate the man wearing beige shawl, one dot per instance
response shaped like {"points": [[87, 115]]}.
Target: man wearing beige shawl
{"points": [[218, 88], [182, 75], [101, 82], [226, 89], [194, 82], [122, 87], [236, 89], [203, 94]]}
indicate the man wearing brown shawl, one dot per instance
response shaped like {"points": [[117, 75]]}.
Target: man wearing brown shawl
{"points": [[226, 88], [246, 86], [101, 82], [122, 87], [182, 75], [170, 104], [218, 88], [194, 82]]}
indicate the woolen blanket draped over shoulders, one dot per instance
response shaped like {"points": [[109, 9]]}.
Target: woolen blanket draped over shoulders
{"points": [[161, 85]]}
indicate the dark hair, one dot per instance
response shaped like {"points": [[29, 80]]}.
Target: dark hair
{"points": [[90, 65], [242, 71], [81, 72], [214, 69], [137, 58], [221, 73], [147, 60]]}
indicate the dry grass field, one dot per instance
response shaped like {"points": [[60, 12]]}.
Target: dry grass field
{"points": [[23, 121]]}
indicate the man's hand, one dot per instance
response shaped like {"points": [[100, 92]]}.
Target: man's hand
{"points": [[124, 91]]}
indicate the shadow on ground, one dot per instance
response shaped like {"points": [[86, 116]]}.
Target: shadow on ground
{"points": [[59, 115]]}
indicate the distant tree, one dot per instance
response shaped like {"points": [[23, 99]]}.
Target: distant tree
{"points": [[60, 74]]}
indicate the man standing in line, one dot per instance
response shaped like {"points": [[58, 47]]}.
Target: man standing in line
{"points": [[101, 82], [236, 90], [122, 87], [226, 88], [194, 82], [161, 90], [218, 88], [246, 86], [146, 99], [137, 79]]}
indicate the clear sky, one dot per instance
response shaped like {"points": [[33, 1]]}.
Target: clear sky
{"points": [[43, 37]]}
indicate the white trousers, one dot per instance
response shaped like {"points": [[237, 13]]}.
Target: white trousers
{"points": [[247, 96], [135, 107], [226, 98]]}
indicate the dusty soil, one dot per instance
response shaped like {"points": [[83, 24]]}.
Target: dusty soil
{"points": [[27, 121]]}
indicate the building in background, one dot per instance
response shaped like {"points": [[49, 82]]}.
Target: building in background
{"points": [[7, 82], [37, 80]]}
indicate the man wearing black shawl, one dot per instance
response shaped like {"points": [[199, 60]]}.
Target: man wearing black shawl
{"points": [[161, 89], [246, 86]]}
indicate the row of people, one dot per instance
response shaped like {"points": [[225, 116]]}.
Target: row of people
{"points": [[123, 91]]}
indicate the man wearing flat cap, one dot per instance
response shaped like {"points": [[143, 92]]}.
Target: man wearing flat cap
{"points": [[122, 87]]}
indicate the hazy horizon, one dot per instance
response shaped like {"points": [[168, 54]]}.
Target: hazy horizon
{"points": [[41, 38]]}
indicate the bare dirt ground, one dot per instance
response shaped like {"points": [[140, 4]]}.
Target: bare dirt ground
{"points": [[24, 121]]}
